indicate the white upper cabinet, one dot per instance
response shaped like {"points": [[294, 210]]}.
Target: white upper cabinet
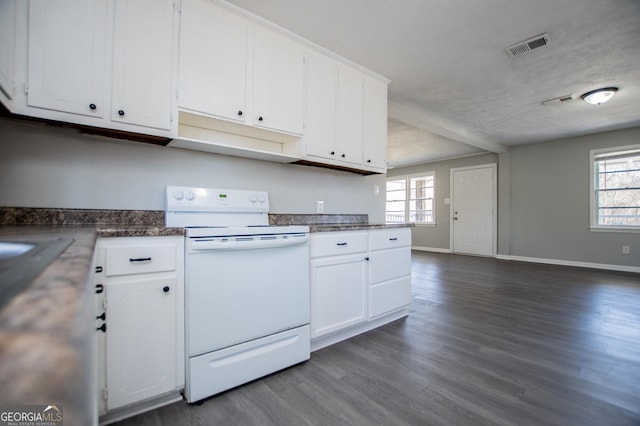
{"points": [[102, 63], [322, 106], [7, 47], [238, 70], [278, 82], [67, 56], [375, 124], [143, 63], [350, 113], [214, 47], [346, 116]]}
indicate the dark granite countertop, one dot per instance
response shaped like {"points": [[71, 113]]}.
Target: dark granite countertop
{"points": [[337, 227], [45, 345]]}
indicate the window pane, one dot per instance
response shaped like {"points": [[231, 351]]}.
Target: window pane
{"points": [[619, 207], [419, 193], [395, 185], [618, 190], [396, 195]]}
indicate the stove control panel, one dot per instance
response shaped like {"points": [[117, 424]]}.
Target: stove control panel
{"points": [[213, 200]]}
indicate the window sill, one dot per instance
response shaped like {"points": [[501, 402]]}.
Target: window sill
{"points": [[618, 229]]}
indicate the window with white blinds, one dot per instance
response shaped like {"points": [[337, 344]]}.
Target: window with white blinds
{"points": [[410, 199], [615, 188]]}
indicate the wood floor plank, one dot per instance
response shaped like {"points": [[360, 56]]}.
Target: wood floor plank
{"points": [[487, 342]]}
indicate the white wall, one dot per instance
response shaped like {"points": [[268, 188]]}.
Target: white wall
{"points": [[49, 166]]}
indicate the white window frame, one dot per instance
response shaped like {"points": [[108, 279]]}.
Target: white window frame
{"points": [[407, 212], [594, 226]]}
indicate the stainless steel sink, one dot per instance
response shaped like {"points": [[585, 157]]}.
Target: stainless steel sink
{"points": [[12, 249], [22, 260]]}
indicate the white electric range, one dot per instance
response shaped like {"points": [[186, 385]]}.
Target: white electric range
{"points": [[247, 288]]}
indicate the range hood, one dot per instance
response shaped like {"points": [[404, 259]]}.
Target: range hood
{"points": [[201, 133]]}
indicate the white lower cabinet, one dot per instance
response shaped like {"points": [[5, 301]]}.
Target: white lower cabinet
{"points": [[339, 288], [389, 270], [359, 281], [141, 336]]}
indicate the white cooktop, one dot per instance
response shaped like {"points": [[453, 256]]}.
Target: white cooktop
{"points": [[206, 212]]}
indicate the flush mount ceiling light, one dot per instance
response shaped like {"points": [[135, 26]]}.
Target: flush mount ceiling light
{"points": [[599, 96]]}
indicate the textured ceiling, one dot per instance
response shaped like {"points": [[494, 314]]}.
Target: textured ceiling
{"points": [[451, 76]]}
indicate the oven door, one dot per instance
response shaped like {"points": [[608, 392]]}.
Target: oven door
{"points": [[240, 292]]}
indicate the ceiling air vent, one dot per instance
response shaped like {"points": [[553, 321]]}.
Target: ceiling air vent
{"points": [[527, 46], [559, 100]]}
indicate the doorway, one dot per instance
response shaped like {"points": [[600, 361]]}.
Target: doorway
{"points": [[474, 210]]}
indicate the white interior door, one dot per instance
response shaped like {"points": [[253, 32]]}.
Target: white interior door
{"points": [[473, 212]]}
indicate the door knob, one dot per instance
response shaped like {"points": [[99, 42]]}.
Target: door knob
{"points": [[166, 289]]}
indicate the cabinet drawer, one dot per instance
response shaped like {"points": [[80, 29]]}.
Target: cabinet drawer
{"points": [[389, 264], [338, 243], [389, 296], [389, 238], [127, 260]]}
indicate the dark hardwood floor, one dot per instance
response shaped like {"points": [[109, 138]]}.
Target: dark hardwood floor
{"points": [[487, 342]]}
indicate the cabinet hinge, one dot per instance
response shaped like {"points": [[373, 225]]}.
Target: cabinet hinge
{"points": [[26, 88], [104, 303], [105, 394], [177, 6]]}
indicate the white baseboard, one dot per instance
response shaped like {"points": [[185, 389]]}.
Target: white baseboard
{"points": [[433, 249], [610, 267]]}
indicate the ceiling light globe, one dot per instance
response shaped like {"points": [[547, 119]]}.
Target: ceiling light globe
{"points": [[599, 96]]}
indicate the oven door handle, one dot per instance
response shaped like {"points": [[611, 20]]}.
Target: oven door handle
{"points": [[214, 244]]}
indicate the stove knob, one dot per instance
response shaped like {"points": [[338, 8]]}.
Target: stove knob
{"points": [[179, 195], [252, 198], [190, 196], [261, 198]]}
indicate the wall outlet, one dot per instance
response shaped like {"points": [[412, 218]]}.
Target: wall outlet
{"points": [[626, 249], [320, 207]]}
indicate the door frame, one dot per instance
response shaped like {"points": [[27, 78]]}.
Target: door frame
{"points": [[494, 167]]}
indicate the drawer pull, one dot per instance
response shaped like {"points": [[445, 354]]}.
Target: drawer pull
{"points": [[139, 259], [341, 244], [393, 239]]}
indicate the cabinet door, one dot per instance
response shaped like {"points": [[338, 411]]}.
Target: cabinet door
{"points": [[7, 46], [322, 106], [141, 339], [350, 113], [278, 82], [67, 56], [375, 124], [142, 63], [339, 293], [213, 61]]}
